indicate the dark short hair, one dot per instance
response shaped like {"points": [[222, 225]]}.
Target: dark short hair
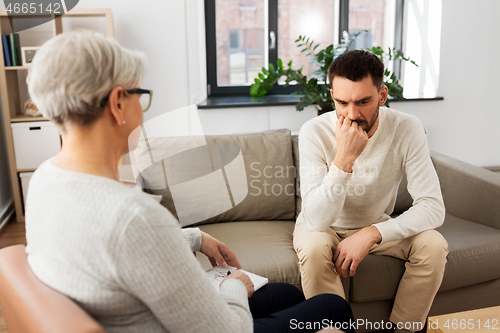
{"points": [[356, 65]]}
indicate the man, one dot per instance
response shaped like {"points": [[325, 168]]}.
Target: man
{"points": [[351, 163]]}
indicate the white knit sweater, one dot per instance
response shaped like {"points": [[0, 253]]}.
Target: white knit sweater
{"points": [[332, 197], [124, 258]]}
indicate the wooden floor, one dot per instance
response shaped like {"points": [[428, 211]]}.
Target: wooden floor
{"points": [[14, 233]]}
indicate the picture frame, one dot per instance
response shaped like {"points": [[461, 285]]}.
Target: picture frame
{"points": [[28, 53]]}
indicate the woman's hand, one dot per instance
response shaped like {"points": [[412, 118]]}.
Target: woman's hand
{"points": [[239, 275], [217, 252]]}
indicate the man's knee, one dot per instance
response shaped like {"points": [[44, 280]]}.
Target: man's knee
{"points": [[314, 246], [432, 244]]}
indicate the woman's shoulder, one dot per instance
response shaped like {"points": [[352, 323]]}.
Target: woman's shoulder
{"points": [[135, 206], [100, 197]]}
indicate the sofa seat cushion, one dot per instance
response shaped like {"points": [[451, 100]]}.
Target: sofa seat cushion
{"points": [[263, 247], [474, 257], [474, 253]]}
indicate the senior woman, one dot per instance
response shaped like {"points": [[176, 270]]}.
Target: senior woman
{"points": [[117, 252]]}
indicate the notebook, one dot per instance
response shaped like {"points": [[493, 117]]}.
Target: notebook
{"points": [[217, 274]]}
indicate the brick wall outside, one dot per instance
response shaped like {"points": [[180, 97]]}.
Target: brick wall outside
{"points": [[369, 15]]}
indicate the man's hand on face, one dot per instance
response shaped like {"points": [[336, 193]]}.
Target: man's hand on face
{"points": [[351, 141], [352, 250]]}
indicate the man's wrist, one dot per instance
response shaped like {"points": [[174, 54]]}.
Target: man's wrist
{"points": [[376, 236], [343, 164]]}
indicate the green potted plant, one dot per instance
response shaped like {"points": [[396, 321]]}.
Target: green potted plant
{"points": [[314, 90]]}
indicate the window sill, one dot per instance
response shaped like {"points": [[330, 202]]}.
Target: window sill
{"points": [[220, 102]]}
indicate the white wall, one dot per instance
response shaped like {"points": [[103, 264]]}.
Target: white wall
{"points": [[255, 119], [465, 125]]}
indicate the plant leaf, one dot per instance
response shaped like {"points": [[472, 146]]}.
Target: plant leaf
{"points": [[314, 90]]}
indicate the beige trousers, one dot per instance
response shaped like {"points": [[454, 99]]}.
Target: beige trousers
{"points": [[425, 255]]}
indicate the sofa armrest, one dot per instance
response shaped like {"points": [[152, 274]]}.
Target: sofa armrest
{"points": [[469, 192]]}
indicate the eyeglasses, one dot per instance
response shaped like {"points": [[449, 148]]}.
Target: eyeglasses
{"points": [[144, 99]]}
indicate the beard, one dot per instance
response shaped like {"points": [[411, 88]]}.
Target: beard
{"points": [[367, 125]]}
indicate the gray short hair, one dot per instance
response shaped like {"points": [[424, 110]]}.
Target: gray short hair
{"points": [[72, 72]]}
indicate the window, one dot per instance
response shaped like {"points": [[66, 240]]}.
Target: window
{"points": [[246, 57], [422, 42], [376, 17], [245, 35], [239, 32], [315, 20]]}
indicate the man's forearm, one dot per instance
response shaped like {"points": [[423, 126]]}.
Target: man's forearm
{"points": [[343, 164], [322, 205], [427, 214]]}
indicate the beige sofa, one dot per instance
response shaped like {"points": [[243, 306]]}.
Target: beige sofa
{"points": [[260, 228]]}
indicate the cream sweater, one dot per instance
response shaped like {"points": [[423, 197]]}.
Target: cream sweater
{"points": [[332, 197], [124, 258]]}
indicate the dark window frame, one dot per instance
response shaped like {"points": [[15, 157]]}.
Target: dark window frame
{"points": [[211, 46]]}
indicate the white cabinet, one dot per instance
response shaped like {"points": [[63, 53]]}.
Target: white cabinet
{"points": [[34, 142]]}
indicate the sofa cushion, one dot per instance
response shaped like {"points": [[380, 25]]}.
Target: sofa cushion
{"points": [[268, 163], [296, 164], [474, 253], [474, 257], [263, 247]]}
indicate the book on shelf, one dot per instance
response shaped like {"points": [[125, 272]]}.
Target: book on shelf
{"points": [[217, 274], [15, 49], [6, 50]]}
